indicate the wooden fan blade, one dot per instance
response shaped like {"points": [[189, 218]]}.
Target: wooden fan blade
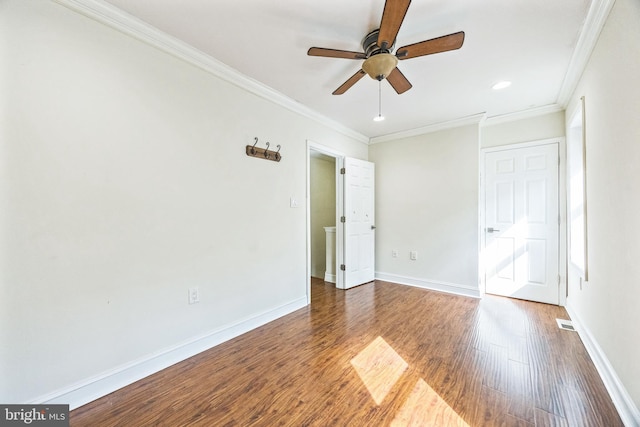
{"points": [[335, 53], [352, 80], [441, 44], [398, 81], [392, 17]]}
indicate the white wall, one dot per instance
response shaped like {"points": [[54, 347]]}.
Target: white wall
{"points": [[124, 182], [323, 209], [607, 305], [427, 201], [495, 132]]}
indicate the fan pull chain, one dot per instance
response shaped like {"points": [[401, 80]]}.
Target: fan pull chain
{"points": [[379, 117]]}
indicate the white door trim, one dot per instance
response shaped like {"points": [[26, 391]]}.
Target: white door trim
{"points": [[562, 209], [339, 156]]}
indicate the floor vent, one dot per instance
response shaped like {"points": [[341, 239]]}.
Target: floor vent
{"points": [[565, 324]]}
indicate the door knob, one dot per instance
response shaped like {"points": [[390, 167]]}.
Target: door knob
{"points": [[491, 230], [373, 227]]}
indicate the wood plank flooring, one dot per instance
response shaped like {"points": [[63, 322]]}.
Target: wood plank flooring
{"points": [[380, 354]]}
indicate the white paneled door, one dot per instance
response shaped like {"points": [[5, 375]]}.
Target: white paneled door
{"points": [[521, 223], [359, 222]]}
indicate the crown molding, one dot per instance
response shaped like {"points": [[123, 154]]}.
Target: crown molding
{"points": [[522, 115], [476, 119], [119, 20], [593, 24]]}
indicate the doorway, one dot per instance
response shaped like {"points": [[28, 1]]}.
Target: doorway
{"points": [[322, 213], [319, 160], [521, 221], [354, 215]]}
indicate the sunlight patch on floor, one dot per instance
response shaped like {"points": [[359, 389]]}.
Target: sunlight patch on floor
{"points": [[424, 407], [379, 367]]}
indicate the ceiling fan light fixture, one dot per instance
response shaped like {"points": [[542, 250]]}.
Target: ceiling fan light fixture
{"points": [[379, 66], [379, 63]]}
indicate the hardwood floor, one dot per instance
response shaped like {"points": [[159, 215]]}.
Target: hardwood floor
{"points": [[377, 355]]}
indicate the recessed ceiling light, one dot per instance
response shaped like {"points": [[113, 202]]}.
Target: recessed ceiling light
{"points": [[501, 85]]}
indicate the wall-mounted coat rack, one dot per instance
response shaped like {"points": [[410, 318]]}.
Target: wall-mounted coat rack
{"points": [[263, 153]]}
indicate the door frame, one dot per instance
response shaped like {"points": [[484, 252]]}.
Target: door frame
{"points": [[339, 156], [562, 210]]}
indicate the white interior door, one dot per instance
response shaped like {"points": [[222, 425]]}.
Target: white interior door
{"points": [[521, 223], [359, 223]]}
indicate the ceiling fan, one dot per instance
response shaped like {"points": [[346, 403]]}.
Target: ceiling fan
{"points": [[379, 63]]}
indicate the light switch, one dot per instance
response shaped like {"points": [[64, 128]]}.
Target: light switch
{"points": [[194, 295]]}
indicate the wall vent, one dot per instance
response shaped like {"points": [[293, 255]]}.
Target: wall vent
{"points": [[567, 325]]}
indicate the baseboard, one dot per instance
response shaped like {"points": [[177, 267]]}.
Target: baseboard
{"points": [[98, 386], [450, 288], [328, 277], [621, 399]]}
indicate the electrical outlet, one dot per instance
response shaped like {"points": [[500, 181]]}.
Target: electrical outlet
{"points": [[194, 295], [413, 255], [394, 253]]}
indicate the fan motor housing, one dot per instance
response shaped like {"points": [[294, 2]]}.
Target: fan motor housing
{"points": [[370, 44]]}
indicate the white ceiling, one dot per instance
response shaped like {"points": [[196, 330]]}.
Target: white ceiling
{"points": [[528, 42]]}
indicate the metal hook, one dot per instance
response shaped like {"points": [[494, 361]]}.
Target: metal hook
{"points": [[253, 149], [266, 152], [278, 152]]}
